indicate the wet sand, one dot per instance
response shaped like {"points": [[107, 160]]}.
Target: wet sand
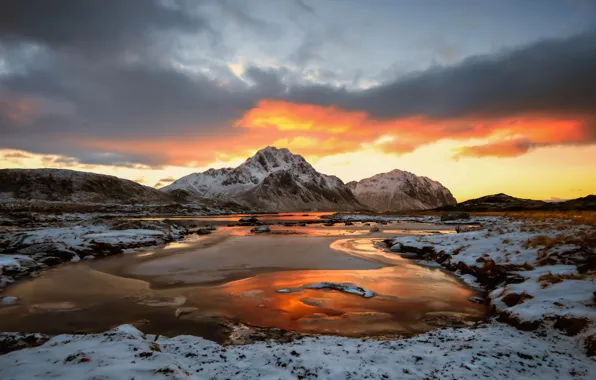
{"points": [[234, 276]]}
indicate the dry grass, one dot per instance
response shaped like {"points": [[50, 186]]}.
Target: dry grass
{"points": [[549, 279], [575, 217], [585, 237]]}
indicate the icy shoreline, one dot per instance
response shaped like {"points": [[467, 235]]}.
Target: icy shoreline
{"points": [[539, 273], [24, 252]]}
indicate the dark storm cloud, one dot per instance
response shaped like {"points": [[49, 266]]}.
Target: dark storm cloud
{"points": [[63, 96], [551, 76], [92, 26]]}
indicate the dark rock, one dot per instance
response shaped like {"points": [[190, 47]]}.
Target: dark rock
{"points": [[590, 345], [16, 341], [260, 229], [203, 231], [571, 325], [506, 317], [514, 279], [51, 260], [454, 215], [513, 299], [248, 219]]}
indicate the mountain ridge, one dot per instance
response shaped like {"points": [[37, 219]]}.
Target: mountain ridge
{"points": [[505, 202], [399, 190], [274, 179]]}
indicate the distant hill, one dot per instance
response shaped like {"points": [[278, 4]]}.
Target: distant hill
{"points": [[64, 185], [504, 202]]}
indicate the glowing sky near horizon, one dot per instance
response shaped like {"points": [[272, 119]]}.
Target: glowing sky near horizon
{"points": [[484, 97]]}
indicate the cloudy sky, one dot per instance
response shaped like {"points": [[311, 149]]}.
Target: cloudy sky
{"points": [[483, 96]]}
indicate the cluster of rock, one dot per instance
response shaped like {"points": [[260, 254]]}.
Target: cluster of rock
{"points": [[493, 275], [25, 253]]}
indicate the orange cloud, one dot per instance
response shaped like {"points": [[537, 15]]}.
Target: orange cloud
{"points": [[318, 131], [511, 148]]}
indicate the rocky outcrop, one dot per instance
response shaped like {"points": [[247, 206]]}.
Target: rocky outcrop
{"points": [[400, 191]]}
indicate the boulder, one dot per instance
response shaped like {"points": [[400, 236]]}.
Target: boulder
{"points": [[260, 229], [248, 219], [8, 301], [51, 260], [454, 215], [375, 229]]}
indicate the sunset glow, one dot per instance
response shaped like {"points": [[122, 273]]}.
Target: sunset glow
{"points": [[511, 115]]}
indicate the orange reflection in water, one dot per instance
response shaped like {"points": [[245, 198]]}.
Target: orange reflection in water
{"points": [[409, 299]]}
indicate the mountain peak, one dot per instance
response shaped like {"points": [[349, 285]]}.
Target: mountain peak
{"points": [[272, 177], [399, 190]]}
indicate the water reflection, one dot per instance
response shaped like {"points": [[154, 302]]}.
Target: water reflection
{"points": [[409, 299]]}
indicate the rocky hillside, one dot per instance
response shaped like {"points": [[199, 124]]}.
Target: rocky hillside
{"points": [[63, 185], [504, 202], [400, 191], [272, 179]]}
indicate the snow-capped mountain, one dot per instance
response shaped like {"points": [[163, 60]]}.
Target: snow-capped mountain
{"points": [[272, 179], [399, 190]]}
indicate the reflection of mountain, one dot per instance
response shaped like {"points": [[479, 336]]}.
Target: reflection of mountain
{"points": [[271, 179]]}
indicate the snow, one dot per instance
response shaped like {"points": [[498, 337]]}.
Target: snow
{"points": [[572, 298], [12, 263], [236, 183], [505, 248], [341, 287], [507, 241], [346, 288], [72, 243], [391, 192], [489, 352]]}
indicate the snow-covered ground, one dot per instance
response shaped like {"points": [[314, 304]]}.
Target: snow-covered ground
{"points": [[25, 251], [546, 284], [542, 271], [489, 352]]}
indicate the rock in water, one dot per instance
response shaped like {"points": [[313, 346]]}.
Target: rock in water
{"points": [[399, 190], [260, 229], [8, 301], [248, 219]]}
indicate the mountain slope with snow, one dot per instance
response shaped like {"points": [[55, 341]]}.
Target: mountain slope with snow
{"points": [[399, 190], [73, 186], [274, 179]]}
